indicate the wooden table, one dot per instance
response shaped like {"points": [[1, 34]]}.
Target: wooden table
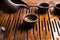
{"points": [[12, 22]]}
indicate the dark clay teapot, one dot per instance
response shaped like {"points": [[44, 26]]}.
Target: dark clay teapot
{"points": [[12, 6]]}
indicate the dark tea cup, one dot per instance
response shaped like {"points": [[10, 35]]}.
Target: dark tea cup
{"points": [[57, 9], [29, 21], [43, 7]]}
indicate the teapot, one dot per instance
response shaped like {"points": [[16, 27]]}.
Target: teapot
{"points": [[12, 6]]}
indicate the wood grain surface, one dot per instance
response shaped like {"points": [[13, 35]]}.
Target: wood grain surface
{"points": [[41, 30]]}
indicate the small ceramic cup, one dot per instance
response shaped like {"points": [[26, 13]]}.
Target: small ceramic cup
{"points": [[29, 20], [57, 9], [43, 7]]}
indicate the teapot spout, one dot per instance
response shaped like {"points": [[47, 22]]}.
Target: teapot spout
{"points": [[19, 3], [23, 4]]}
